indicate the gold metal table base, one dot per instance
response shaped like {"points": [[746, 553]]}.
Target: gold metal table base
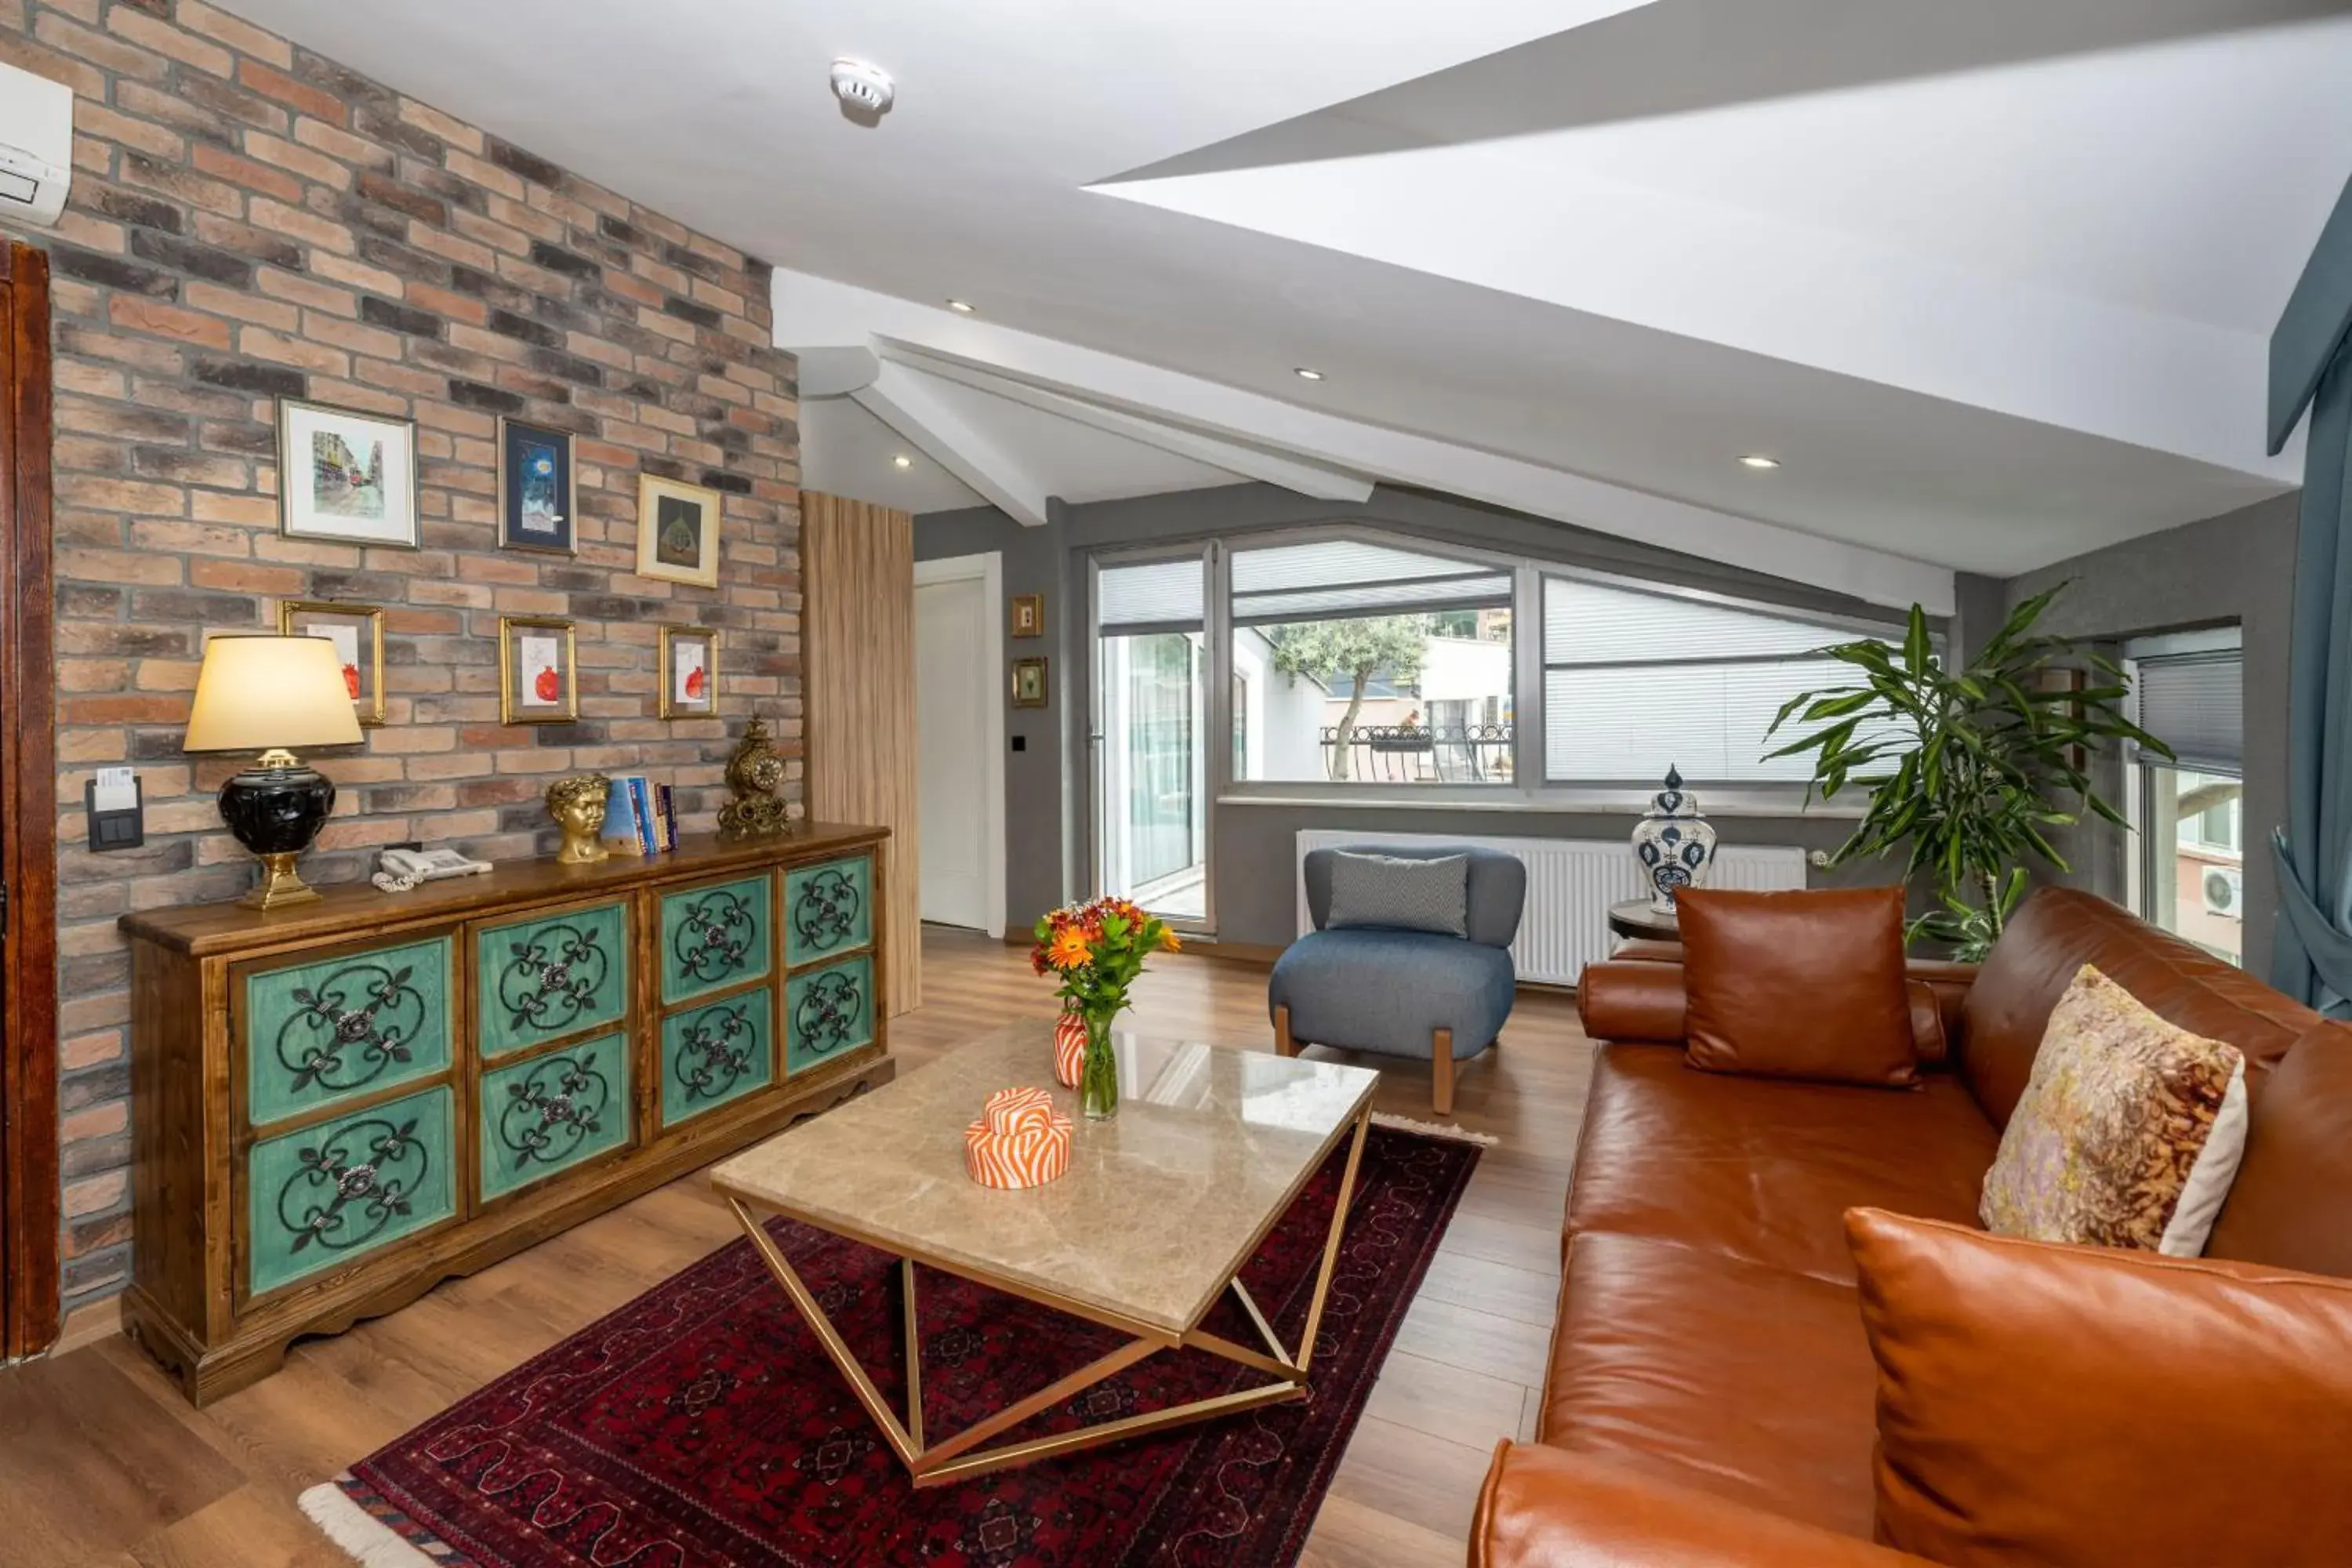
{"points": [[960, 1456]]}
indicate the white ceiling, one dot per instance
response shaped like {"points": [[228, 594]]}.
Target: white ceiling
{"points": [[1992, 280]]}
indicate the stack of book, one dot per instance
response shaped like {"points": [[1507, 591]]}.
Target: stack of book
{"points": [[639, 816]]}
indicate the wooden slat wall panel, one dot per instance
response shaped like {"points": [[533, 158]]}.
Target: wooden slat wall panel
{"points": [[857, 561]]}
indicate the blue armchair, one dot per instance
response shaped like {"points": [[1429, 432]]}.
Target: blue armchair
{"points": [[1416, 993]]}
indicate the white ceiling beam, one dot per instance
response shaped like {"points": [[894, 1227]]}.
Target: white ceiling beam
{"points": [[919, 407], [816, 311], [1251, 462]]}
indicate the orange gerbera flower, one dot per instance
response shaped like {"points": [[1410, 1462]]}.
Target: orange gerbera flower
{"points": [[1069, 949]]}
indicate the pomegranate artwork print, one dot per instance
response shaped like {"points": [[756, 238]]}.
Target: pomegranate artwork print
{"points": [[547, 686], [351, 680]]}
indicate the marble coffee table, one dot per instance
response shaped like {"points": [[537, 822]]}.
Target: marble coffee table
{"points": [[1162, 1206]]}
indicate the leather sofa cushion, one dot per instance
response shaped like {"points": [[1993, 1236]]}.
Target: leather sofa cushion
{"points": [[1798, 985], [1640, 997], [2291, 1206], [1714, 1372], [1541, 1508], [2048, 942], [2075, 1407], [1764, 1169]]}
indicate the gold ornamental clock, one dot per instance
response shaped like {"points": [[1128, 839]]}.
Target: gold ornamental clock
{"points": [[755, 773]]}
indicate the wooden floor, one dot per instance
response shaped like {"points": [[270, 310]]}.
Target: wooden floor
{"points": [[101, 1461]]}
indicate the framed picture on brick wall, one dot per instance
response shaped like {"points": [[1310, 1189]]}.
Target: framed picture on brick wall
{"points": [[537, 496], [345, 476], [357, 632], [678, 531], [538, 671], [689, 672]]}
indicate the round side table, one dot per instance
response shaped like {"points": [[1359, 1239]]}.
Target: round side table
{"points": [[1635, 919]]}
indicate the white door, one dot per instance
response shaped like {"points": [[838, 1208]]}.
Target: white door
{"points": [[955, 687]]}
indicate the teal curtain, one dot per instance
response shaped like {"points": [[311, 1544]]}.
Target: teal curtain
{"points": [[2311, 371]]}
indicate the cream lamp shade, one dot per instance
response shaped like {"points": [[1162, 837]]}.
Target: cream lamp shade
{"points": [[257, 694]]}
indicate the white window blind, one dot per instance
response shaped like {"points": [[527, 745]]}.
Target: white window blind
{"points": [[1154, 596], [1635, 683], [2195, 704], [1334, 578]]}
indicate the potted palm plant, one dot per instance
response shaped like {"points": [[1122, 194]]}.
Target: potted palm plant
{"points": [[1968, 769]]}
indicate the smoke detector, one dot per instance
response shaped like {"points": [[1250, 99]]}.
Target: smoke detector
{"points": [[863, 88]]}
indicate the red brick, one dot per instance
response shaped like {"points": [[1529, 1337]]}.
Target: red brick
{"points": [[134, 315], [243, 577], [298, 160], [237, 35], [301, 97], [299, 224], [244, 171], [129, 22], [135, 708]]}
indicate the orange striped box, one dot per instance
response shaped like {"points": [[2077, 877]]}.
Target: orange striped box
{"points": [[1020, 1139]]}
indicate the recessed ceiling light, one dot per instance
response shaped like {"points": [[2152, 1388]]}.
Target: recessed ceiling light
{"points": [[1303, 373], [960, 307], [1758, 460], [902, 461]]}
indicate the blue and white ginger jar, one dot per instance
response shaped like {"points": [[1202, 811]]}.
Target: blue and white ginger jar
{"points": [[1674, 844]]}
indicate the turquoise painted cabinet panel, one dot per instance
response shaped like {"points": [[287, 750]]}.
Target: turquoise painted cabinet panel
{"points": [[828, 1013], [552, 975], [715, 1054], [828, 909], [317, 1034], [552, 1111], [327, 1195], [712, 938]]}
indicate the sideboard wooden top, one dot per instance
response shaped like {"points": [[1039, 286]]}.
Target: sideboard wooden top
{"points": [[205, 929]]}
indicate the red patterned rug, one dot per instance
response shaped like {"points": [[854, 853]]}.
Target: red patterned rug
{"points": [[701, 1425]]}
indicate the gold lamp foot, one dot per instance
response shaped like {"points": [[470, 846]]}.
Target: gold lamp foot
{"points": [[279, 885]]}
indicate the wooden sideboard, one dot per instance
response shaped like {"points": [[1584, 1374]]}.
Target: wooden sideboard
{"points": [[337, 1105]]}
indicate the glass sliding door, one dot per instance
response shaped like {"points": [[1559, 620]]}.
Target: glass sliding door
{"points": [[1151, 687], [2189, 875]]}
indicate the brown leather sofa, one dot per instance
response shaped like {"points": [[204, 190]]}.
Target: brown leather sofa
{"points": [[1711, 1394]]}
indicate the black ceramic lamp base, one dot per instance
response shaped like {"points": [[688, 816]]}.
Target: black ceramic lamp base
{"points": [[276, 810]]}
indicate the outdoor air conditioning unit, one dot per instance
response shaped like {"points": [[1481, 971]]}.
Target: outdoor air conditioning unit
{"points": [[2225, 891], [36, 147]]}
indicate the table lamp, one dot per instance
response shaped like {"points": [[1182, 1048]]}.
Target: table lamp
{"points": [[267, 694]]}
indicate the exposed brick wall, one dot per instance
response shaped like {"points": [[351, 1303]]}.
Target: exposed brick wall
{"points": [[248, 220]]}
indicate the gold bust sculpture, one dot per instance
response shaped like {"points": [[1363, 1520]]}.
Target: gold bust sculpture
{"points": [[577, 805]]}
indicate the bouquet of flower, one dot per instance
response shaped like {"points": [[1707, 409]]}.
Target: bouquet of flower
{"points": [[1096, 951]]}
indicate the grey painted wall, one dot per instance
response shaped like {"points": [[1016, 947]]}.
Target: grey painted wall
{"points": [[1252, 857], [2237, 567]]}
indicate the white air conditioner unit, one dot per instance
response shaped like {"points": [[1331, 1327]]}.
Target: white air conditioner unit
{"points": [[2225, 891], [36, 147]]}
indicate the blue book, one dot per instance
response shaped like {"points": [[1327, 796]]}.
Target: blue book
{"points": [[641, 800], [621, 819]]}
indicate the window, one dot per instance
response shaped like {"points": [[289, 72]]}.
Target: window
{"points": [[2189, 868], [1636, 682], [1151, 680], [1367, 663]]}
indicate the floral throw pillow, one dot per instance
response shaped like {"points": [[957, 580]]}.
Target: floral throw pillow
{"points": [[2129, 1133]]}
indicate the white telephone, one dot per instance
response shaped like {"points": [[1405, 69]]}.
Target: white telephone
{"points": [[398, 870]]}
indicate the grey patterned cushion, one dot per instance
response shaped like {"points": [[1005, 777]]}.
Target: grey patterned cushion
{"points": [[1397, 894]]}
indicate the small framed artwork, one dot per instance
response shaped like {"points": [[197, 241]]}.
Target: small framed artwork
{"points": [[537, 496], [1028, 614], [539, 676], [689, 672], [1028, 684], [678, 531], [345, 476], [357, 632]]}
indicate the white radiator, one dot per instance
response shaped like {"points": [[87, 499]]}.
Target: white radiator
{"points": [[1572, 882]]}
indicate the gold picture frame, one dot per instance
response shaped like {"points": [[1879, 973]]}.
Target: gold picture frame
{"points": [[357, 632], [678, 642], [1029, 686], [678, 531], [525, 695], [1028, 614]]}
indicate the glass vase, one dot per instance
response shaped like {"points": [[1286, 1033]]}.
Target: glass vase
{"points": [[1098, 1073]]}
